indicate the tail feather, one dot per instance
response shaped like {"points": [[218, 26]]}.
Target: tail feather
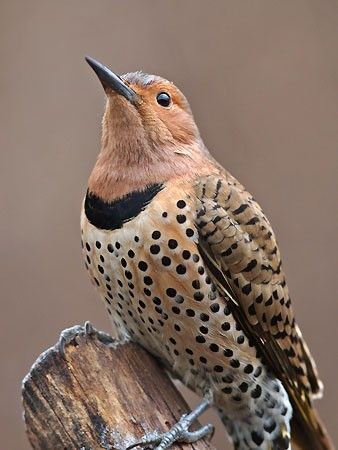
{"points": [[309, 434]]}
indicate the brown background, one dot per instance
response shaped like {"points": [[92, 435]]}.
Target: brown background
{"points": [[262, 80]]}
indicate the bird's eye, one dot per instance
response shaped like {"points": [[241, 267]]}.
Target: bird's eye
{"points": [[163, 99]]}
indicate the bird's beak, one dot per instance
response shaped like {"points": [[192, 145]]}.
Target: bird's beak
{"points": [[110, 80]]}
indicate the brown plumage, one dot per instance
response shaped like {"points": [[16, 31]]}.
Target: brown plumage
{"points": [[188, 266]]}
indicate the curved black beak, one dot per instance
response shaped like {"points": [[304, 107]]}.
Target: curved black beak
{"points": [[110, 80]]}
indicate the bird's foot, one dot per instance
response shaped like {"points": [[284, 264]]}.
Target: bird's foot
{"points": [[180, 431], [70, 334]]}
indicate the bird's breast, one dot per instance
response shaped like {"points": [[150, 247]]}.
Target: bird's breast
{"points": [[113, 215]]}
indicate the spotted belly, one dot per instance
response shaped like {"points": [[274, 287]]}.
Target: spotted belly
{"points": [[158, 293]]}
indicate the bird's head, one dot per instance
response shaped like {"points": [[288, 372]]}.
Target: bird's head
{"points": [[149, 133]]}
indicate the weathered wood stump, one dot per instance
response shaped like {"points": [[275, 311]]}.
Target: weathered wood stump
{"points": [[99, 395]]}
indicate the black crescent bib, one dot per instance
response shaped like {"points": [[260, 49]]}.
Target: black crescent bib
{"points": [[110, 216]]}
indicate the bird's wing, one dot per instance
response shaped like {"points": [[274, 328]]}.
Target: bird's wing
{"points": [[239, 247]]}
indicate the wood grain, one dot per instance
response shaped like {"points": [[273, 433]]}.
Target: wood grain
{"points": [[99, 395]]}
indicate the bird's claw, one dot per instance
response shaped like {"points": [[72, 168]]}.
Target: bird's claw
{"points": [[180, 431], [70, 334]]}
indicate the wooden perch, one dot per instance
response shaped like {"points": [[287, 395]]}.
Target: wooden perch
{"points": [[99, 395]]}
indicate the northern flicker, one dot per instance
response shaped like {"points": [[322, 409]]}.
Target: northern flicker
{"points": [[188, 266]]}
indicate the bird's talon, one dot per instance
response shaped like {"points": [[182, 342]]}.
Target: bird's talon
{"points": [[70, 334]]}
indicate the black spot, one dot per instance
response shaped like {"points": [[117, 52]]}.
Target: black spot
{"points": [[186, 254], [172, 244], [190, 312], [226, 326], [123, 263], [243, 386], [198, 296], [131, 254], [181, 218], [189, 232], [204, 330], [181, 204], [142, 304], [214, 307], [110, 248], [228, 352], [88, 260], [180, 269], [228, 378], [240, 339], [142, 265], [165, 214], [156, 234], [257, 438], [227, 390], [136, 238], [259, 299], [203, 360], [256, 392], [171, 292], [189, 351], [112, 215], [270, 427], [155, 249], [258, 371], [147, 292], [128, 274], [177, 327], [96, 281], [87, 246], [201, 272], [157, 301], [196, 284], [172, 340], [252, 264], [227, 311], [204, 317], [214, 347], [175, 310], [218, 368], [252, 221], [179, 299], [234, 363], [102, 258], [241, 209], [117, 245], [148, 281], [251, 310], [269, 301], [284, 411], [248, 368], [98, 244], [195, 257], [166, 261], [200, 339], [246, 289]]}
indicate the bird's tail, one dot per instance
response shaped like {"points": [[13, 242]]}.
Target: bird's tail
{"points": [[308, 432]]}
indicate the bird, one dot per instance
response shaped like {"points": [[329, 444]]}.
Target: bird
{"points": [[188, 266]]}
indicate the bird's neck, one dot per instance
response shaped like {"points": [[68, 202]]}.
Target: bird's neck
{"points": [[114, 176]]}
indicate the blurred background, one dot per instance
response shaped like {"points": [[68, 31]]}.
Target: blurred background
{"points": [[262, 79]]}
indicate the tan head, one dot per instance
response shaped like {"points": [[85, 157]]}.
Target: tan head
{"points": [[149, 134]]}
